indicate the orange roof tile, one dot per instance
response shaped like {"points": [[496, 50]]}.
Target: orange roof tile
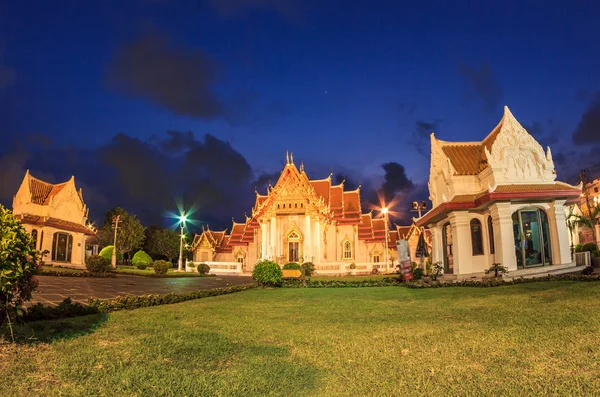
{"points": [[466, 158], [535, 188], [322, 188], [351, 202]]}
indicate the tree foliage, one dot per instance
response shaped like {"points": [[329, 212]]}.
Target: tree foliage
{"points": [[18, 264], [141, 257], [130, 235], [164, 242]]}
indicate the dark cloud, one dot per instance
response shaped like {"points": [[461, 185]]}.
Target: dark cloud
{"points": [[407, 108], [482, 82], [420, 137], [7, 75], [395, 181], [588, 129], [547, 134], [178, 78]]}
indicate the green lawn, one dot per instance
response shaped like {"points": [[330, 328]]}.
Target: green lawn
{"points": [[61, 269], [529, 339]]}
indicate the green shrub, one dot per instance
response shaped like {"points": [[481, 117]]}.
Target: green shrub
{"points": [[353, 266], [418, 273], [97, 264], [578, 247], [438, 269], [203, 268], [106, 253], [308, 268], [64, 309], [55, 273], [589, 247], [497, 269], [292, 266], [191, 265], [141, 257], [267, 273], [141, 266], [161, 267], [19, 262]]}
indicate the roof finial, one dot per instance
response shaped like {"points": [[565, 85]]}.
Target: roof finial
{"points": [[291, 158], [287, 158], [302, 166]]}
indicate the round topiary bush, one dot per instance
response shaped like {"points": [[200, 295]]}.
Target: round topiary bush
{"points": [[18, 262], [141, 258], [589, 247], [292, 266], [578, 247], [203, 268], [267, 273], [97, 264], [161, 267], [106, 253], [141, 266], [308, 268]]}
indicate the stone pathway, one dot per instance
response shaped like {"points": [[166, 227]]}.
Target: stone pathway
{"points": [[53, 290]]}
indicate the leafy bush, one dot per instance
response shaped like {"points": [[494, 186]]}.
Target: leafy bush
{"points": [[141, 257], [418, 273], [134, 302], [578, 247], [375, 271], [106, 253], [267, 273], [381, 282], [497, 269], [141, 266], [292, 266], [19, 263], [498, 283], [97, 264], [161, 267], [589, 247], [353, 266], [308, 268], [191, 265], [203, 268], [438, 270]]}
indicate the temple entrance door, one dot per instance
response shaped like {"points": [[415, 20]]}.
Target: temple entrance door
{"points": [[293, 251], [447, 243], [62, 244], [532, 238]]}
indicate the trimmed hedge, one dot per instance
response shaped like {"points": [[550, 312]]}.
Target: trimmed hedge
{"points": [[203, 268], [128, 302], [498, 283], [106, 252], [161, 267], [141, 258], [55, 273], [97, 264], [64, 309], [382, 282], [589, 247], [292, 266]]}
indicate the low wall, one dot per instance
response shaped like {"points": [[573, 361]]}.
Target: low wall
{"points": [[217, 267], [344, 268]]}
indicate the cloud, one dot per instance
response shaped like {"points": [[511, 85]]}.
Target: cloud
{"points": [[420, 137], [179, 78], [7, 75], [482, 82], [395, 182], [547, 134], [588, 129]]}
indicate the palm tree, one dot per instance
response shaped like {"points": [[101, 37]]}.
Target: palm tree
{"points": [[588, 218]]}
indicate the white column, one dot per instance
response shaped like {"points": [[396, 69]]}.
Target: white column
{"points": [[437, 250], [308, 246], [263, 241], [317, 241], [461, 240], [597, 226], [504, 238], [273, 227], [559, 233]]}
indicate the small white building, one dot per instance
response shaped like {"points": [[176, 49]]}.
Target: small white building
{"points": [[496, 201], [56, 217]]}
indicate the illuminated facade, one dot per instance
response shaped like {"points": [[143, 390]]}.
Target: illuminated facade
{"points": [[56, 217], [302, 220], [497, 201]]}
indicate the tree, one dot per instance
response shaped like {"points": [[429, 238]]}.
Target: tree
{"points": [[588, 218], [164, 242], [130, 235], [19, 262]]}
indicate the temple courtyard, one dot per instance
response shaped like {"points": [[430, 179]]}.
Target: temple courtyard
{"points": [[530, 339]]}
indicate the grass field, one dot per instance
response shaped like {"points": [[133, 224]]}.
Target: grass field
{"points": [[530, 339]]}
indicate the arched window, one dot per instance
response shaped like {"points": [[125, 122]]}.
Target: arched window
{"points": [[476, 237], [34, 237], [491, 235], [347, 249]]}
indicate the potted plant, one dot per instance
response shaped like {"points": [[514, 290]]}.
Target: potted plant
{"points": [[438, 270], [353, 269], [498, 271]]}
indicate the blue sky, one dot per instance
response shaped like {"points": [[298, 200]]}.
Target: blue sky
{"points": [[346, 87]]}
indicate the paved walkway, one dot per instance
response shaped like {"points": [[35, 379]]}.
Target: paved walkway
{"points": [[55, 289]]}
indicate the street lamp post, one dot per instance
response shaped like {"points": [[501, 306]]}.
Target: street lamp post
{"points": [[116, 220], [182, 220], [385, 211]]}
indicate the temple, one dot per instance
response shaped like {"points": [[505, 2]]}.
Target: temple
{"points": [[56, 217], [303, 220], [496, 201]]}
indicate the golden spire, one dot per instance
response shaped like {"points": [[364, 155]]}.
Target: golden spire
{"points": [[291, 158], [287, 158], [302, 166]]}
